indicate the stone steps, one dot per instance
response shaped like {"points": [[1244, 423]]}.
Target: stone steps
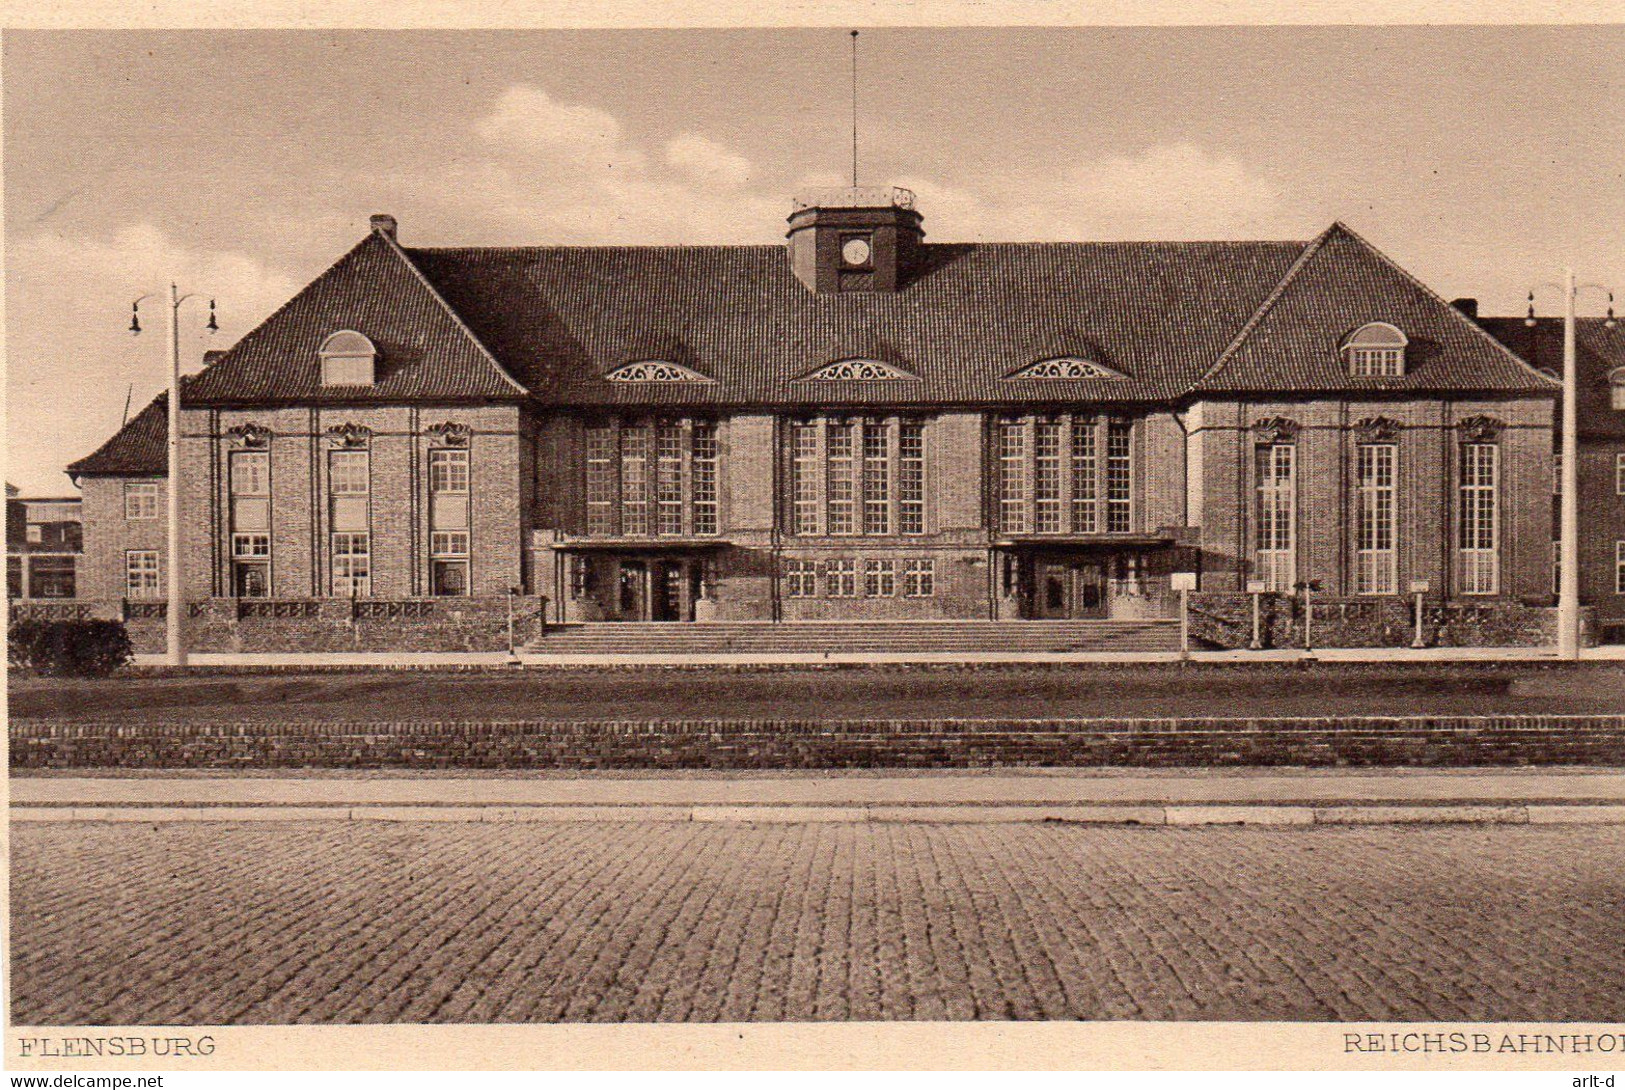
{"points": [[858, 637]]}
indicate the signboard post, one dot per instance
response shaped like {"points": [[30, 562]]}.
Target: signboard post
{"points": [[1184, 582], [1419, 588], [1256, 588]]}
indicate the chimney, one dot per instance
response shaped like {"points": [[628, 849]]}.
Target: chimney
{"points": [[211, 355], [1467, 306], [384, 225]]}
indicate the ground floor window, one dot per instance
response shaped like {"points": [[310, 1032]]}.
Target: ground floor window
{"points": [[801, 579], [51, 577], [14, 577], [1619, 567], [141, 573], [919, 578], [879, 578], [251, 565], [352, 565], [448, 563], [841, 578]]}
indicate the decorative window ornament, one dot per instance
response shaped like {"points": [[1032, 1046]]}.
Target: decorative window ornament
{"points": [[1276, 429], [1066, 367], [252, 436], [349, 435], [858, 370], [449, 434], [655, 371], [1480, 429], [348, 359], [1375, 429], [1376, 350]]}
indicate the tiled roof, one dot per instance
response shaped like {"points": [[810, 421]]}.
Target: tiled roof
{"points": [[138, 449], [1598, 350], [424, 350], [562, 317], [1341, 282]]}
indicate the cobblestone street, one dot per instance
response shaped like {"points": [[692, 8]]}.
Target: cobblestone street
{"points": [[270, 922]]}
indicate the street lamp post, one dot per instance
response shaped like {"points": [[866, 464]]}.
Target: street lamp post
{"points": [[174, 641], [1568, 568]]}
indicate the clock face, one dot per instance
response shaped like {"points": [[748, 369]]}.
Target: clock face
{"points": [[855, 251]]}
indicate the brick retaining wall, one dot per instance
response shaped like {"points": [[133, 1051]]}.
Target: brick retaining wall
{"points": [[1423, 741], [1225, 620]]}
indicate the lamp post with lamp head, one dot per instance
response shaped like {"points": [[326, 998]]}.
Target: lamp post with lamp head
{"points": [[174, 642]]}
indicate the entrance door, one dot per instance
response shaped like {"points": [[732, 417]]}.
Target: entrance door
{"points": [[251, 579], [1068, 588], [634, 590]]}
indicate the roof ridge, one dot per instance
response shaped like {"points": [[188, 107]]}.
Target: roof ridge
{"points": [[1312, 247], [396, 248], [1477, 329], [633, 247]]}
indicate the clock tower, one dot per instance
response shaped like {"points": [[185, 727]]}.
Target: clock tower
{"points": [[855, 239]]}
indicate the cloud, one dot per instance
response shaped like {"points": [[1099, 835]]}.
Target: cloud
{"points": [[705, 160], [1169, 191], [530, 121], [73, 360]]}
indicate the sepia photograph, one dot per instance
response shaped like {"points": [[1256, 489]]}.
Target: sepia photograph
{"points": [[817, 526]]}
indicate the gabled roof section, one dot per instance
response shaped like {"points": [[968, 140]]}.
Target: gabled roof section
{"points": [[425, 351], [1340, 283], [138, 449], [1599, 351], [559, 318]]}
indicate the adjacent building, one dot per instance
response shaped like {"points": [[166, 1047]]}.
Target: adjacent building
{"points": [[43, 544], [858, 424]]}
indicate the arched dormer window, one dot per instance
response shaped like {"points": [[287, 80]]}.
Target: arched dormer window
{"points": [[654, 371], [348, 359], [1376, 350], [1073, 367], [858, 370], [1616, 388]]}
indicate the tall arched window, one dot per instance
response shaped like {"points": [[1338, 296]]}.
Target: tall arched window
{"points": [[1616, 388], [348, 359]]}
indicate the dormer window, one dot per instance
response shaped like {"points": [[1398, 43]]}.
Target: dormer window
{"points": [[1376, 350], [858, 370], [1616, 388], [654, 371], [1071, 367], [348, 359]]}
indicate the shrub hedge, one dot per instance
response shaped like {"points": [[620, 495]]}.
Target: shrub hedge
{"points": [[68, 648]]}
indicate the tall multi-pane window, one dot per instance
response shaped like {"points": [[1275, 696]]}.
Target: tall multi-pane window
{"points": [[804, 476], [1085, 482], [876, 479], [1119, 477], [601, 479], [635, 480], [703, 440], [249, 473], [141, 573], [911, 477], [1478, 518], [1012, 449], [1047, 476], [1276, 488], [1376, 561], [349, 487], [652, 477], [842, 480], [1619, 567], [448, 522], [668, 479], [1619, 474], [857, 476]]}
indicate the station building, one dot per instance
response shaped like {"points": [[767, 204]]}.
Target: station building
{"points": [[855, 425]]}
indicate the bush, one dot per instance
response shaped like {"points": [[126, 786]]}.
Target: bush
{"points": [[68, 648]]}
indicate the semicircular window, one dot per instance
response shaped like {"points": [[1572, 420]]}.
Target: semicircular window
{"points": [[655, 371], [858, 370], [1071, 367], [1376, 350], [348, 359]]}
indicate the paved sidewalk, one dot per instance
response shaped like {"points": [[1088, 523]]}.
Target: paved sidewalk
{"points": [[1191, 797], [1611, 653]]}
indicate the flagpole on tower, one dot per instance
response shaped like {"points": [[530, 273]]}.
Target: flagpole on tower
{"points": [[854, 109]]}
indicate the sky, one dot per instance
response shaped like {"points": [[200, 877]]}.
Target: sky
{"points": [[243, 163]]}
